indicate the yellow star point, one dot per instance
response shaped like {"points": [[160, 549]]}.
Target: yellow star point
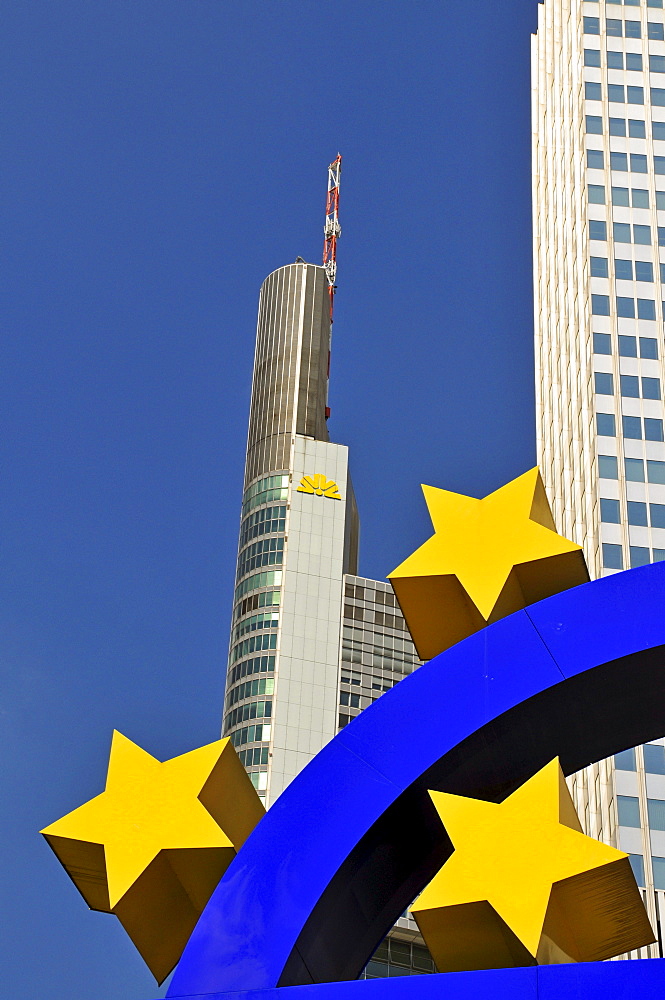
{"points": [[524, 884], [154, 844], [486, 559]]}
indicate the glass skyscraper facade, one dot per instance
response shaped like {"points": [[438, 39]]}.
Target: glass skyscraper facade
{"points": [[598, 128]]}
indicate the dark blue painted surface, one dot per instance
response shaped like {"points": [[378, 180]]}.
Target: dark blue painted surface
{"points": [[306, 899]]}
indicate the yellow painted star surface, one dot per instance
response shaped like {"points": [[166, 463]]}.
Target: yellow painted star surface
{"points": [[486, 559], [152, 847], [524, 885]]}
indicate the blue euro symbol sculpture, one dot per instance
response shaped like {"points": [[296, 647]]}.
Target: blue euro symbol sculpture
{"points": [[354, 838]]}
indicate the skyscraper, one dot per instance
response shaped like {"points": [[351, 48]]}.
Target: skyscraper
{"points": [[598, 128]]}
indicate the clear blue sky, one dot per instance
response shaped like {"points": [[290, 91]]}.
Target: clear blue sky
{"points": [[160, 157]]}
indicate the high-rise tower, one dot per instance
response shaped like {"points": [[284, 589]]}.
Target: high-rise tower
{"points": [[598, 84]]}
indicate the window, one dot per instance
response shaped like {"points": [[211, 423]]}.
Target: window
{"points": [[640, 198], [592, 91], [592, 25], [609, 511], [605, 424], [637, 129], [657, 514], [620, 196], [653, 429], [658, 865], [642, 235], [603, 383], [643, 270], [623, 270], [638, 163], [658, 555], [602, 343], [617, 126], [630, 386], [637, 515], [649, 347], [629, 810], [650, 388], [621, 232], [600, 305], [608, 467], [627, 346], [592, 57], [635, 95], [632, 428], [618, 161], [659, 168], [658, 96], [615, 61], [633, 29], [646, 309], [625, 307], [634, 470], [658, 130], [654, 758], [595, 159], [654, 31], [656, 813], [594, 124], [598, 230], [637, 863], [596, 194], [661, 236], [639, 556], [655, 3], [656, 64], [625, 761], [634, 62], [599, 267], [612, 556], [616, 92], [660, 195], [656, 471]]}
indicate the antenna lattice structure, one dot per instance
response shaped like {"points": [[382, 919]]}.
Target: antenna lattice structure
{"points": [[332, 229]]}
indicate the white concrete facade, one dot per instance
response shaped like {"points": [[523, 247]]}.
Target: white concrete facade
{"points": [[598, 130]]}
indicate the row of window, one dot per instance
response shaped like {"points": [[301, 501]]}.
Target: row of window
{"points": [[651, 429], [610, 513], [377, 596], [625, 270], [619, 93], [634, 128], [253, 757], [615, 60], [602, 344], [629, 385], [401, 953], [654, 759], [263, 522], [251, 734], [266, 599], [625, 307], [657, 867], [629, 812], [349, 699], [250, 689], [595, 160], [620, 196], [268, 579], [621, 233], [639, 555], [255, 665], [615, 28], [254, 644], [268, 552], [608, 468], [260, 781], [266, 490], [252, 710], [376, 685], [355, 612], [636, 3], [264, 620]]}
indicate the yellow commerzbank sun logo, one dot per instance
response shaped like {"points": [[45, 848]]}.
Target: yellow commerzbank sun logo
{"points": [[321, 485]]}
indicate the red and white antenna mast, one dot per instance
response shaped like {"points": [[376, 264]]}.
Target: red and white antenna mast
{"points": [[332, 229]]}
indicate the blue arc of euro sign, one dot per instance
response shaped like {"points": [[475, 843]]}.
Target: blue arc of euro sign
{"points": [[354, 838]]}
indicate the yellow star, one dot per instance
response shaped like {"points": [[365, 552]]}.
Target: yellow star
{"points": [[525, 886], [152, 847], [486, 559]]}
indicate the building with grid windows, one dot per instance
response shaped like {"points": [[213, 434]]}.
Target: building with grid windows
{"points": [[598, 127]]}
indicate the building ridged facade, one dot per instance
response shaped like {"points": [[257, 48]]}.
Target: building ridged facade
{"points": [[598, 136]]}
